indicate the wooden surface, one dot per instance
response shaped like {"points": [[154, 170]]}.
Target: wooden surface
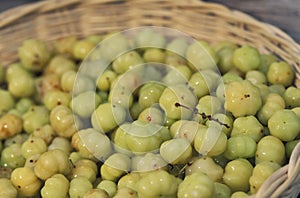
{"points": [[284, 14]]}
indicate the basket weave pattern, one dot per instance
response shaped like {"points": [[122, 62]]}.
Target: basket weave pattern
{"points": [[53, 19]]}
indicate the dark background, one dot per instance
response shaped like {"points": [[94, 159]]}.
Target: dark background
{"points": [[284, 14]]}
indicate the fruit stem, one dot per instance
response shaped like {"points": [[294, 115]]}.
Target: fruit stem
{"points": [[202, 114]]}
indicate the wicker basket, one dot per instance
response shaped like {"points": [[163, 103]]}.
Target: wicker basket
{"points": [[53, 19]]}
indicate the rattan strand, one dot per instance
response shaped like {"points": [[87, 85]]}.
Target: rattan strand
{"points": [[53, 19]]}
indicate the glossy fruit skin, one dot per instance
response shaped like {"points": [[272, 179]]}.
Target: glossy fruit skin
{"points": [[242, 98], [289, 147], [8, 101], [201, 56], [82, 48], [115, 166], [240, 181], [87, 141], [149, 94], [108, 186], [96, 193], [280, 73], [177, 94], [270, 149], [10, 125], [63, 122], [11, 156], [85, 168], [292, 97], [114, 115], [25, 180], [52, 162], [180, 147], [249, 126], [260, 173], [210, 141], [206, 165], [284, 124], [157, 183], [242, 146], [34, 55], [56, 186], [127, 61], [221, 190], [196, 185], [246, 58], [79, 186], [7, 189]]}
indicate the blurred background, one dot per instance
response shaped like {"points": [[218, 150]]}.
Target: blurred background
{"points": [[284, 14]]}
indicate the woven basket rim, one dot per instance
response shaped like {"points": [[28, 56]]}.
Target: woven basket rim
{"points": [[47, 5]]}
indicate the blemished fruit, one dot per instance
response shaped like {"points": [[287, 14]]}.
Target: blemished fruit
{"points": [[148, 116]]}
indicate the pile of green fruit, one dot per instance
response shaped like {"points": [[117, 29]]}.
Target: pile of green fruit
{"points": [[148, 116]]}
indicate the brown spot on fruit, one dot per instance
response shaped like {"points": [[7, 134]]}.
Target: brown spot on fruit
{"points": [[149, 118]]}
